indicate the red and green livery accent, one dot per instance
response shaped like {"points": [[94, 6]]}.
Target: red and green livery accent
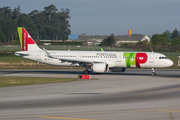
{"points": [[135, 59], [25, 38]]}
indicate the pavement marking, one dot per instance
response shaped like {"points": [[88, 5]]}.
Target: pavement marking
{"points": [[172, 110], [58, 75], [168, 110], [22, 117], [2, 96], [111, 112], [65, 118]]}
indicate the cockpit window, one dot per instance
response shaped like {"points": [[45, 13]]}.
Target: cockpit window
{"points": [[162, 57]]}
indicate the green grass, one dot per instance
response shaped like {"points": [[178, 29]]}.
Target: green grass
{"points": [[14, 59], [18, 81]]}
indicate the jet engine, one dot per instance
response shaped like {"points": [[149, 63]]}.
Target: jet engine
{"points": [[118, 69], [100, 68]]}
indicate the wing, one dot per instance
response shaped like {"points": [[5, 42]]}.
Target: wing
{"points": [[73, 61]]}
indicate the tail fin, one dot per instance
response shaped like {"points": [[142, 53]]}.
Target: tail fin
{"points": [[27, 43]]}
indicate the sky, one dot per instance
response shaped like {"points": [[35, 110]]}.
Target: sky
{"points": [[104, 17]]}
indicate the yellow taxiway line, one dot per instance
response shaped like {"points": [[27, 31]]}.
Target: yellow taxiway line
{"points": [[65, 118], [58, 75]]}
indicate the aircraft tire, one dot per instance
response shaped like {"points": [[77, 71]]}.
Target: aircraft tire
{"points": [[86, 72], [153, 73]]}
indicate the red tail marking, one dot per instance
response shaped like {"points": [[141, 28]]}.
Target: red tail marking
{"points": [[26, 40]]}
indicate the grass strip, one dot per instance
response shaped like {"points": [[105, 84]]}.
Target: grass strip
{"points": [[19, 81]]}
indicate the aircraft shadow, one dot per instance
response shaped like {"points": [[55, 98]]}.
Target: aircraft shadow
{"points": [[80, 72]]}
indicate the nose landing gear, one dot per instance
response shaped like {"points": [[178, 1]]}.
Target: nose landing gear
{"points": [[153, 72]]}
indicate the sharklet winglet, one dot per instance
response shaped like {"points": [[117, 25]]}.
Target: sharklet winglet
{"points": [[47, 54]]}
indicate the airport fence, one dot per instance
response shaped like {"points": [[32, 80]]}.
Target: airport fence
{"points": [[13, 48], [86, 48]]}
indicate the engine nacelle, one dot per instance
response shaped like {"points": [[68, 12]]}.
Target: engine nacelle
{"points": [[118, 69], [100, 68]]}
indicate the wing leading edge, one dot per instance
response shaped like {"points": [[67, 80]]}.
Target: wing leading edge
{"points": [[73, 61]]}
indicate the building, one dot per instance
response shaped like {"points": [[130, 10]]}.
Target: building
{"points": [[97, 39], [131, 39]]}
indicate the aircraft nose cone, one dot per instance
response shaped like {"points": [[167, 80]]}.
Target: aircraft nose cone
{"points": [[170, 63]]}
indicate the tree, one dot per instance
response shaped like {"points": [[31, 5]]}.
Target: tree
{"points": [[46, 24], [160, 39], [50, 9], [7, 11], [2, 37], [8, 28], [164, 39], [109, 41], [169, 34], [52, 24], [175, 41], [104, 42], [175, 34], [16, 12], [25, 21], [155, 40], [145, 42]]}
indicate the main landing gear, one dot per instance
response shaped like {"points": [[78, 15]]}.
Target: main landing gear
{"points": [[86, 71], [153, 72]]}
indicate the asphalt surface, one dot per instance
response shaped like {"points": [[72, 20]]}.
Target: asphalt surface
{"points": [[134, 94]]}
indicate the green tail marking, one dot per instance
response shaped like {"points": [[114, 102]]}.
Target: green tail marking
{"points": [[20, 35]]}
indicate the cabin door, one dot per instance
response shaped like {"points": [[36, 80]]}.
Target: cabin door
{"points": [[151, 58], [118, 58], [80, 56]]}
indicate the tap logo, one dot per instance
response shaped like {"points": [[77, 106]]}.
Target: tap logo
{"points": [[135, 59]]}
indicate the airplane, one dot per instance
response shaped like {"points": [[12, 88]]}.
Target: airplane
{"points": [[97, 61]]}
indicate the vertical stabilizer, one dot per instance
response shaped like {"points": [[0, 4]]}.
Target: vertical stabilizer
{"points": [[27, 43]]}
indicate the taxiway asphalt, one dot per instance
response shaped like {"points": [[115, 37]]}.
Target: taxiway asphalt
{"points": [[134, 94]]}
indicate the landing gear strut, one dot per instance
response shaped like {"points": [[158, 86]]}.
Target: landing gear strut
{"points": [[153, 72], [86, 71]]}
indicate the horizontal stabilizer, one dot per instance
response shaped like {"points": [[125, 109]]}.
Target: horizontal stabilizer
{"points": [[21, 54]]}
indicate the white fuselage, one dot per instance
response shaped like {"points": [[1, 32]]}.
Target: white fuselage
{"points": [[113, 59]]}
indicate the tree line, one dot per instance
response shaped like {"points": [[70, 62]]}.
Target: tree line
{"points": [[167, 42], [166, 39], [47, 24], [109, 41]]}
